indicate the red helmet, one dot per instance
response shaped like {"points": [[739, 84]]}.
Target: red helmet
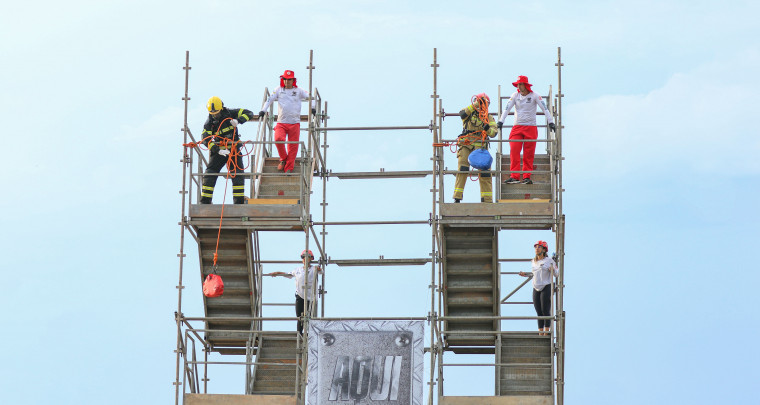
{"points": [[542, 243], [303, 254], [481, 96]]}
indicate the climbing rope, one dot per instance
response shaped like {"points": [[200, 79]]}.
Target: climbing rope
{"points": [[467, 138]]}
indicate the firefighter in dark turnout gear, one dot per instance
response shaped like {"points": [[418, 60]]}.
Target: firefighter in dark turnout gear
{"points": [[221, 138]]}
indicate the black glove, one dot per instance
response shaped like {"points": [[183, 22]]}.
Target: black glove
{"points": [[261, 114], [314, 111], [552, 126], [486, 126], [499, 124], [213, 148], [462, 114]]}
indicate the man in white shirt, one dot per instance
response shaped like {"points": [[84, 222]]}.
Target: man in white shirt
{"points": [[525, 102], [305, 281], [289, 98]]}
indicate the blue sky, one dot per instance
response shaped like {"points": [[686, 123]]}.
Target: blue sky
{"points": [[661, 177]]}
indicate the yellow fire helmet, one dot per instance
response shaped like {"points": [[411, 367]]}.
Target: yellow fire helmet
{"points": [[214, 105]]}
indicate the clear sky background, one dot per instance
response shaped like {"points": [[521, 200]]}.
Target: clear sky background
{"points": [[661, 178]]}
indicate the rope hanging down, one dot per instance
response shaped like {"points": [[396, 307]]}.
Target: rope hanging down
{"points": [[235, 148]]}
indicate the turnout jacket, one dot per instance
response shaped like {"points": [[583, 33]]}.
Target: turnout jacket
{"points": [[226, 130], [472, 127]]}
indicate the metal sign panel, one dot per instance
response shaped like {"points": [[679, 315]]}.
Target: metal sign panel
{"points": [[365, 362]]}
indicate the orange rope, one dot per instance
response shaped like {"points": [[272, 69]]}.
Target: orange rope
{"points": [[232, 168]]}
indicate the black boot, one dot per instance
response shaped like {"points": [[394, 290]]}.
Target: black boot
{"points": [[457, 200], [238, 200], [205, 200]]}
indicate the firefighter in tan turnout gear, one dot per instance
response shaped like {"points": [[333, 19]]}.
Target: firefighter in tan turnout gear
{"points": [[478, 126]]}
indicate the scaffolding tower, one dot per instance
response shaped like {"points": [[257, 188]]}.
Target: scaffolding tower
{"points": [[465, 315]]}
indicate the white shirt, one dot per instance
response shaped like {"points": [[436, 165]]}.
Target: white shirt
{"points": [[525, 108], [542, 272], [289, 103], [304, 281]]}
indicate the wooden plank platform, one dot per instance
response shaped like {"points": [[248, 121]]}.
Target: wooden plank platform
{"points": [[225, 399], [507, 400], [273, 201], [256, 210], [503, 207]]}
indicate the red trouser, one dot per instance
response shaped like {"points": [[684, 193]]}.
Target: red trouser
{"points": [[529, 149], [287, 155]]}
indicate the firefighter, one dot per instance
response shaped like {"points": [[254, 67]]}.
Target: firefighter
{"points": [[477, 127], [221, 136], [525, 102], [306, 277], [289, 98]]}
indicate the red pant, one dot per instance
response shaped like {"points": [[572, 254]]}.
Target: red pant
{"points": [[529, 149], [288, 155]]}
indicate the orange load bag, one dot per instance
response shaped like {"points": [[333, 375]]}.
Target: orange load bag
{"points": [[213, 286]]}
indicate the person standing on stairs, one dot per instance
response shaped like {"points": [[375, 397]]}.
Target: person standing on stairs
{"points": [[306, 278], [222, 138], [543, 268], [477, 127], [525, 102], [289, 98]]}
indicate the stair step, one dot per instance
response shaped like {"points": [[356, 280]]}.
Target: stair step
{"points": [[469, 284], [469, 299]]}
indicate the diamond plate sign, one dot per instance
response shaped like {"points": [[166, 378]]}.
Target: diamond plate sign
{"points": [[365, 362]]}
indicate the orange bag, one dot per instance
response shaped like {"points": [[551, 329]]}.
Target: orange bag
{"points": [[213, 286]]}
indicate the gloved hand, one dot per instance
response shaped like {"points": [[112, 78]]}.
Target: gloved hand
{"points": [[224, 152], [486, 126], [499, 124], [261, 114], [462, 114], [213, 148], [234, 122], [552, 126], [314, 111]]}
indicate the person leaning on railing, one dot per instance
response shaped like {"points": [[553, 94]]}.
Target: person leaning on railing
{"points": [[525, 102], [306, 277], [543, 268]]}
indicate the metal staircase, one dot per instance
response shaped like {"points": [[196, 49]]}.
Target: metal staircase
{"points": [[526, 369], [541, 187], [234, 265], [470, 287], [275, 184], [279, 376]]}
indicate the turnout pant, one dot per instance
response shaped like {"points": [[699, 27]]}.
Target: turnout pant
{"points": [[542, 301], [288, 152], [215, 164], [486, 193], [520, 132], [301, 307]]}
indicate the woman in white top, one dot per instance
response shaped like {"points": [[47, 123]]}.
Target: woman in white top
{"points": [[543, 269]]}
